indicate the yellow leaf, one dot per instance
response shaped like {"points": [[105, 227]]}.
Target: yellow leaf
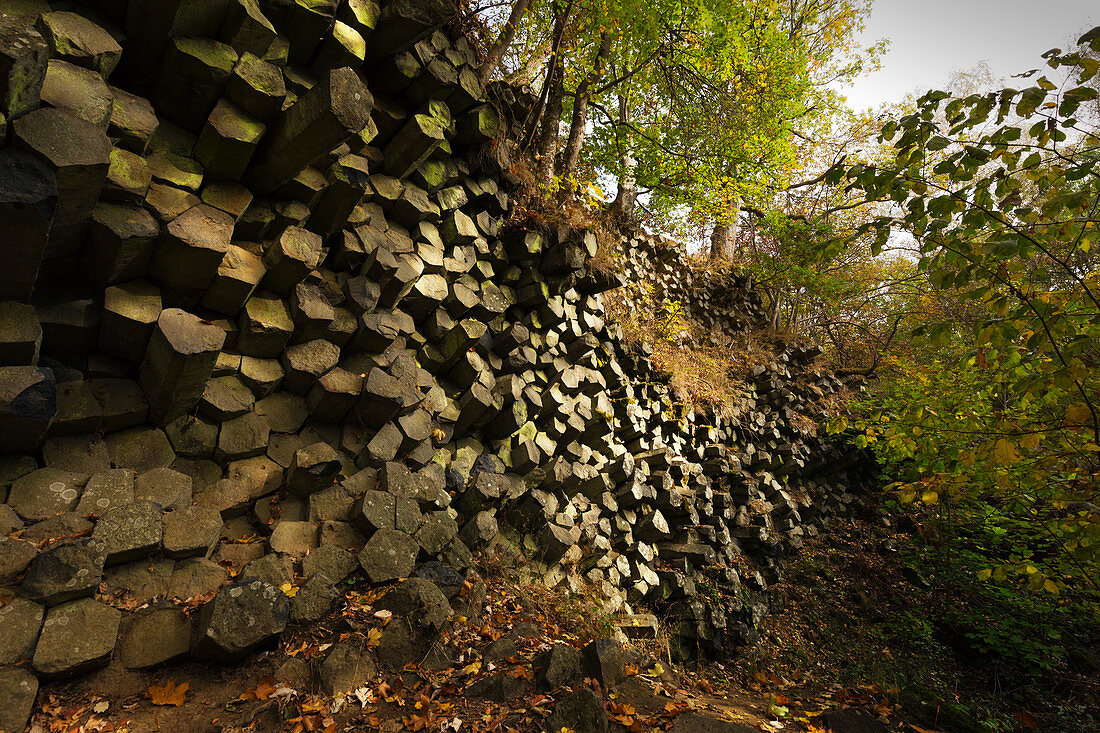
{"points": [[1030, 441], [374, 638], [1078, 414], [1005, 453], [289, 590], [930, 497], [985, 574], [1051, 587]]}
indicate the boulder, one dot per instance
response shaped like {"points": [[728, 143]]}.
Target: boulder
{"points": [[447, 579], [420, 602], [273, 569], [403, 643], [560, 665], [180, 358], [192, 530], [28, 195], [106, 490], [21, 621], [314, 599], [239, 619], [195, 577], [46, 492], [605, 661], [77, 636], [64, 572], [140, 581], [388, 555], [581, 712], [500, 687], [18, 689], [129, 532], [294, 538], [165, 487], [154, 636], [345, 669], [15, 556], [329, 561]]}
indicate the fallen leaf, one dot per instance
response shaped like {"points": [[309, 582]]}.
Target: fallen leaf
{"points": [[374, 638], [170, 693], [1027, 720]]}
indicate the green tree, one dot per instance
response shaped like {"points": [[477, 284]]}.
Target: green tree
{"points": [[692, 104], [1000, 194]]}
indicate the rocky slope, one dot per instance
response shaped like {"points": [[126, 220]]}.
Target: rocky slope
{"points": [[264, 329]]}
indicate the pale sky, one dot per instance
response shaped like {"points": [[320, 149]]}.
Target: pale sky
{"points": [[930, 38]]}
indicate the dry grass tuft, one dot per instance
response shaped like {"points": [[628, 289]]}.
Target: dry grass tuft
{"points": [[706, 378]]}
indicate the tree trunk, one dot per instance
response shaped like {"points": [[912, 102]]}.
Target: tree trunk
{"points": [[526, 74], [580, 113], [627, 194], [504, 40], [723, 239], [776, 306], [549, 102], [551, 124]]}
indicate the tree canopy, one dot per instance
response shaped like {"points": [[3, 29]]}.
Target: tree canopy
{"points": [[999, 412], [697, 107]]}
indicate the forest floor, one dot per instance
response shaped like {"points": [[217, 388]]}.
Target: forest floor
{"points": [[853, 627], [872, 613]]}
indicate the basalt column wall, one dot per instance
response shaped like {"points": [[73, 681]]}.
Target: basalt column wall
{"points": [[262, 329]]}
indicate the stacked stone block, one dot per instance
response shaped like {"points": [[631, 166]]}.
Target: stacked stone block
{"points": [[265, 315]]}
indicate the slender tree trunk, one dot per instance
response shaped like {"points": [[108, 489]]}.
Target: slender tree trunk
{"points": [[575, 141], [526, 74], [504, 40], [627, 194], [723, 238], [551, 124], [535, 124]]}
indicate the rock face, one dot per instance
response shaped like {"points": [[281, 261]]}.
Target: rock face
{"points": [[269, 331]]}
